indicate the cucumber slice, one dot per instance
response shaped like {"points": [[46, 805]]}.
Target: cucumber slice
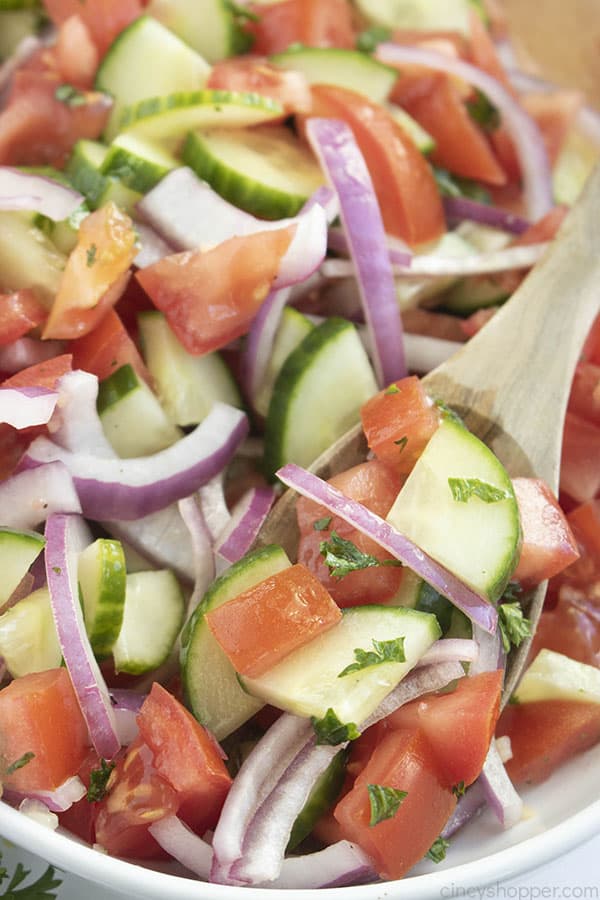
{"points": [[327, 789], [16, 23], [292, 330], [210, 27], [344, 68], [28, 639], [553, 676], [265, 171], [123, 400], [577, 158], [421, 15], [471, 294], [173, 115], [308, 683], [209, 680], [147, 60], [187, 386], [137, 163], [152, 620], [421, 138], [414, 292], [101, 574], [28, 258], [84, 170], [479, 542], [317, 395], [18, 550]]}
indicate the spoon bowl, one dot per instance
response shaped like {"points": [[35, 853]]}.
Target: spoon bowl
{"points": [[510, 383]]}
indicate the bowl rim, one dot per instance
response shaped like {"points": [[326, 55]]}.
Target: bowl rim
{"points": [[135, 880]]}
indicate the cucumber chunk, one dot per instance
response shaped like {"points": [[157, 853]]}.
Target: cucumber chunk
{"points": [[210, 27], [152, 620], [266, 171], [187, 386], [137, 163], [18, 550], [209, 680], [102, 577], [576, 160], [421, 15], [147, 60], [132, 418], [308, 683], [317, 395], [292, 330], [327, 789], [553, 676], [28, 258], [28, 638], [84, 170], [476, 540], [421, 138], [343, 68]]}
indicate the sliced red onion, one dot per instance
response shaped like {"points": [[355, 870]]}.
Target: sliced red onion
{"points": [[424, 353], [400, 253], [59, 800], [202, 548], [214, 506], [244, 525], [314, 488], [339, 865], [38, 812], [468, 806], [259, 343], [422, 680], [29, 497], [162, 538], [499, 790], [24, 407], [182, 844], [22, 190], [76, 425], [152, 246], [26, 48], [528, 142], [26, 352], [491, 654], [461, 209], [306, 250], [61, 571], [126, 725], [450, 650], [127, 489], [122, 698], [344, 165], [504, 748]]}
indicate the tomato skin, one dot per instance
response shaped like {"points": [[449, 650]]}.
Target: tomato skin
{"points": [[105, 19], [373, 484], [211, 297], [313, 23], [106, 348], [572, 627], [403, 760], [545, 734], [584, 400], [483, 51], [20, 311], [408, 197], [45, 374], [579, 470], [401, 411], [543, 230], [591, 350], [40, 714], [258, 76], [262, 625], [75, 53]]}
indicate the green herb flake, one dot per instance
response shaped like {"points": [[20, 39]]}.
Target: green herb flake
{"points": [[514, 626], [384, 652], [459, 789], [401, 444], [385, 802], [368, 40], [483, 112], [448, 413], [98, 781], [437, 851], [44, 888], [392, 389], [322, 524], [91, 252], [69, 95], [329, 730], [241, 13], [465, 488], [57, 570], [20, 763], [342, 557]]}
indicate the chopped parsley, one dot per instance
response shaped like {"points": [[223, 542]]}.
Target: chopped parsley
{"points": [[459, 789], [329, 730], [44, 888], [465, 488], [368, 40], [342, 557], [483, 112], [454, 186], [385, 651], [91, 252], [241, 13], [98, 781], [514, 626], [392, 389], [437, 851], [20, 763], [69, 95], [322, 524], [385, 802], [401, 444], [448, 413]]}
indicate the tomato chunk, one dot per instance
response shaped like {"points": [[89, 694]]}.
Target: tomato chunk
{"points": [[19, 313], [579, 469], [107, 348], [404, 761], [584, 400], [398, 422], [39, 714], [263, 624], [258, 76], [546, 734], [313, 23], [104, 18], [45, 374]]}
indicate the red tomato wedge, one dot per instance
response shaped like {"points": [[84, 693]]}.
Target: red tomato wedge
{"points": [[373, 484], [258, 76], [313, 23], [545, 734], [591, 350], [585, 522], [186, 756], [579, 469], [398, 422], [265, 623], [572, 627], [75, 53], [406, 190], [403, 761], [585, 393], [483, 51], [44, 374], [548, 544], [96, 274], [107, 348], [543, 230], [19, 313], [210, 297], [105, 19], [39, 714]]}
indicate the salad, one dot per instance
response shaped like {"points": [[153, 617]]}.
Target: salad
{"points": [[228, 234]]}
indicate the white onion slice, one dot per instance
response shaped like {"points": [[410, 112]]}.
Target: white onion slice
{"points": [[504, 748], [422, 680], [529, 145], [400, 253], [26, 352], [76, 425], [344, 165], [259, 343], [29, 497], [127, 489], [22, 190], [244, 525], [58, 800], [338, 865], [182, 844], [306, 250], [214, 506], [152, 246], [424, 353], [39, 812], [314, 488], [467, 807], [24, 407], [499, 790], [491, 655], [204, 562], [61, 571], [449, 650]]}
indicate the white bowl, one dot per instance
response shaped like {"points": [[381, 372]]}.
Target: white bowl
{"points": [[559, 816]]}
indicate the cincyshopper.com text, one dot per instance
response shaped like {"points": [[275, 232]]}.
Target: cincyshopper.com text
{"points": [[499, 891]]}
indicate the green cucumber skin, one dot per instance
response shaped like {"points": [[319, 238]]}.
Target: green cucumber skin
{"points": [[131, 171], [116, 386], [322, 797], [340, 67]]}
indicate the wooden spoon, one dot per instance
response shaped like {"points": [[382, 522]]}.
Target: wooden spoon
{"points": [[511, 382]]}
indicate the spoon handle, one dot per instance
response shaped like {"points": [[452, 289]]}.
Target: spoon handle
{"points": [[512, 381]]}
